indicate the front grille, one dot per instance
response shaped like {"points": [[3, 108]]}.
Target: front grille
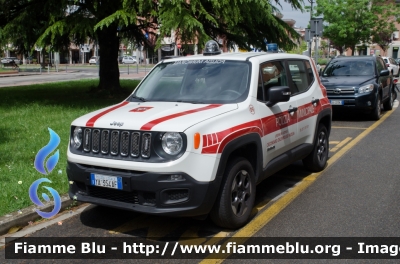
{"points": [[135, 144], [86, 139], [115, 195], [339, 90], [105, 138], [96, 141], [116, 142], [124, 143], [146, 145]]}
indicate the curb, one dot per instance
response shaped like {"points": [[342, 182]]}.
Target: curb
{"points": [[23, 216], [3, 75], [15, 74]]}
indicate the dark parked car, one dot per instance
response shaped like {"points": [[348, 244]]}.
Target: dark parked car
{"points": [[359, 83], [120, 59]]}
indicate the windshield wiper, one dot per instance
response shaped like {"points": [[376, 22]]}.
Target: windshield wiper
{"points": [[139, 98]]}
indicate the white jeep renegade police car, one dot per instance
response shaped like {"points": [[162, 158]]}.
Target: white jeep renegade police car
{"points": [[198, 134]]}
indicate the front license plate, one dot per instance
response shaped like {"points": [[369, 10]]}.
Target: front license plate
{"points": [[113, 182], [337, 102]]}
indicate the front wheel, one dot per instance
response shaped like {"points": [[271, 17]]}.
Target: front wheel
{"points": [[235, 200], [376, 113], [316, 160], [388, 105]]}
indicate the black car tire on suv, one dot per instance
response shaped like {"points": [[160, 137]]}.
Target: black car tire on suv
{"points": [[316, 160], [388, 105], [376, 113], [235, 201]]}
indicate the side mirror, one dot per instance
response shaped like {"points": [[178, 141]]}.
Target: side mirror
{"points": [[278, 94], [384, 73], [320, 72]]}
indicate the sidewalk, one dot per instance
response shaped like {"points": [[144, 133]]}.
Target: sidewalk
{"points": [[131, 75]]}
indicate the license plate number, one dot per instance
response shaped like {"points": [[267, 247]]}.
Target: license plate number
{"points": [[337, 102], [113, 182]]}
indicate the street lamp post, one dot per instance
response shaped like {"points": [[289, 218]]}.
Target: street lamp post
{"points": [[311, 38]]}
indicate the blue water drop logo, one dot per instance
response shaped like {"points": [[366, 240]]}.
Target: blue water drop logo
{"points": [[35, 199], [45, 151], [50, 165]]}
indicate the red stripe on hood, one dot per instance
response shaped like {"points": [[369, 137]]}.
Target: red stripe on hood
{"points": [[151, 124], [91, 121]]}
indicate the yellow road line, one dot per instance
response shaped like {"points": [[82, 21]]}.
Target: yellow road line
{"points": [[267, 215], [341, 144], [363, 128], [333, 142]]}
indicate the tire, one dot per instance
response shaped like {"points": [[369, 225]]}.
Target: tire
{"points": [[236, 197], [388, 105], [316, 160], [376, 113]]}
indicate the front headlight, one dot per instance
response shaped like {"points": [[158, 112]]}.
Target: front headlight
{"points": [[366, 89], [76, 139], [172, 143]]}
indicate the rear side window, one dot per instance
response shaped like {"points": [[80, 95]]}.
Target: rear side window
{"points": [[299, 76], [310, 73]]}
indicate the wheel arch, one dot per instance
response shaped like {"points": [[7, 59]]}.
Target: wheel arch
{"points": [[325, 118], [248, 146]]}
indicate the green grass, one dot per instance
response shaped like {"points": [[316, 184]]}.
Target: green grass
{"points": [[26, 113], [7, 69]]}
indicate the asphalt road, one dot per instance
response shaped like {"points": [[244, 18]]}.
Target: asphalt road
{"points": [[356, 196]]}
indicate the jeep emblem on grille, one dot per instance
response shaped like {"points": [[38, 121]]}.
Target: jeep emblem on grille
{"points": [[120, 124], [337, 91]]}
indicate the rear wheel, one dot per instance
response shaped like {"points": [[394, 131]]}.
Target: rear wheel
{"points": [[316, 160], [235, 200]]}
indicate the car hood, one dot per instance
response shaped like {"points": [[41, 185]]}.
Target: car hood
{"points": [[155, 116], [336, 81]]}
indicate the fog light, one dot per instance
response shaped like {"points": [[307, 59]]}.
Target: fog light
{"points": [[369, 103], [177, 177]]}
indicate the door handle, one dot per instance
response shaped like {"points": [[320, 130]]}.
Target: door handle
{"points": [[293, 109], [315, 101]]}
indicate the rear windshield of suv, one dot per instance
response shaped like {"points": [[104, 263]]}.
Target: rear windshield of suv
{"points": [[196, 81], [349, 68]]}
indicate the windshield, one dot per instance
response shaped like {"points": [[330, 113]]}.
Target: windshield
{"points": [[349, 68], [196, 81]]}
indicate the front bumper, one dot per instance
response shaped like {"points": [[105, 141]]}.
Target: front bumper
{"points": [[358, 102], [146, 192]]}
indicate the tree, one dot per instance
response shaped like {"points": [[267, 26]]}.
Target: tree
{"points": [[299, 49], [323, 45], [354, 22], [246, 23], [383, 31]]}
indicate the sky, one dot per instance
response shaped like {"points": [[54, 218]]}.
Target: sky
{"points": [[302, 19]]}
